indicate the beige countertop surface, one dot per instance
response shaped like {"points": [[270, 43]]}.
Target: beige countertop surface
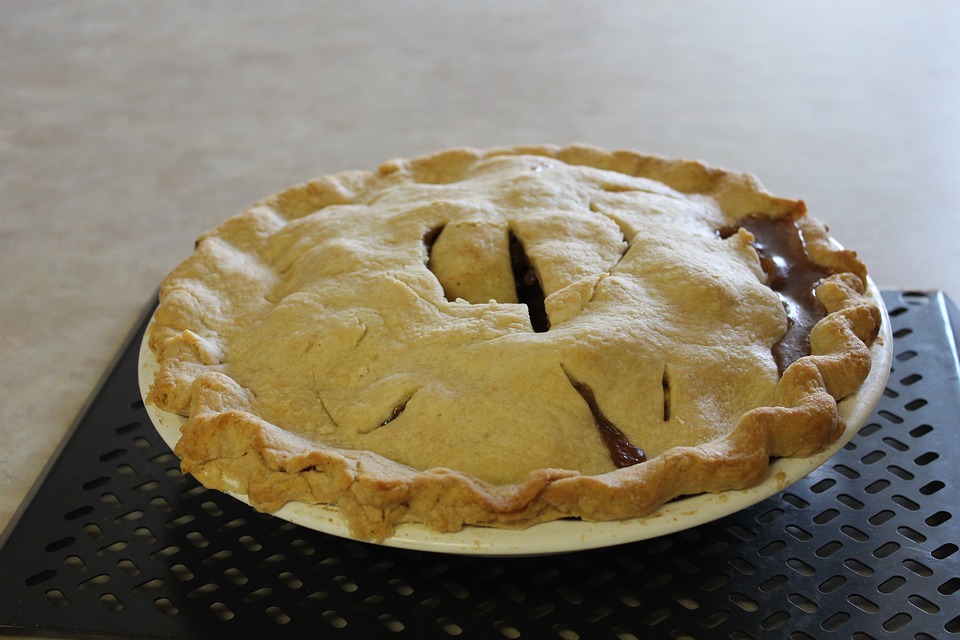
{"points": [[128, 128]]}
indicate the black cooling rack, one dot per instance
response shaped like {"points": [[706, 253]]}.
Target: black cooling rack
{"points": [[114, 541]]}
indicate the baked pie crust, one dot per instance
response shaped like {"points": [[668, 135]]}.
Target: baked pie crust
{"points": [[508, 336]]}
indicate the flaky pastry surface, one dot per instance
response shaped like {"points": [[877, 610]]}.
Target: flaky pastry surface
{"points": [[363, 340]]}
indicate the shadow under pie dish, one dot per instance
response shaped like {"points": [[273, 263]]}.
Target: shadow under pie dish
{"points": [[511, 336]]}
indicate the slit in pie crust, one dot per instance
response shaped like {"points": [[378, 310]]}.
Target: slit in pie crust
{"points": [[508, 336]]}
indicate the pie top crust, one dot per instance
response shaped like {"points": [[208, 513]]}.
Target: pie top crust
{"points": [[486, 337]]}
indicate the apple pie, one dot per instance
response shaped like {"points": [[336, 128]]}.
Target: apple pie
{"points": [[506, 336]]}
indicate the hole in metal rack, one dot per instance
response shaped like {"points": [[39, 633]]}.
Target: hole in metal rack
{"points": [[900, 472], [772, 548], [115, 547], [506, 630], [219, 556], [886, 550], [57, 545], [847, 472], [111, 602], [877, 486], [221, 611], [918, 568], [181, 572], [911, 534], [868, 430], [803, 603], [110, 499], [127, 428], [949, 587], [774, 583], [938, 518], [56, 598], [890, 416], [236, 576], [126, 471], [451, 628], [744, 602], [130, 516], [850, 501], [390, 623], [895, 444], [93, 530], [775, 621], [835, 621], [129, 568], [881, 516], [165, 552], [257, 594], [277, 615], [906, 503], [203, 590], [800, 567], [953, 626], [94, 582], [166, 607], [921, 431], [800, 534], [293, 582], [826, 516], [655, 617], [143, 534], [854, 533], [890, 585], [916, 298], [904, 356], [95, 483], [712, 621], [858, 567], [911, 379], [333, 619], [112, 455], [897, 622], [147, 486], [865, 605], [831, 584], [794, 500], [43, 576], [78, 513], [75, 563], [180, 521], [823, 485]]}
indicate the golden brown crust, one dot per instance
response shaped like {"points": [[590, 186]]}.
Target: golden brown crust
{"points": [[258, 269]]}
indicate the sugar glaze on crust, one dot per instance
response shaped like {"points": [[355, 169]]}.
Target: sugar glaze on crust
{"points": [[364, 340]]}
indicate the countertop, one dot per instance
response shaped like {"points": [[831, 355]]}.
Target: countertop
{"points": [[129, 128]]}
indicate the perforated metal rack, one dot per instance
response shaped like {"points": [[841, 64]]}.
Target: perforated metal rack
{"points": [[115, 541]]}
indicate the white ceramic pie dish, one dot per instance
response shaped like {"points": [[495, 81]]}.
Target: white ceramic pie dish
{"points": [[565, 536]]}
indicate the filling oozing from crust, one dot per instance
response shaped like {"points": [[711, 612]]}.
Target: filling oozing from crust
{"points": [[623, 453], [792, 274]]}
